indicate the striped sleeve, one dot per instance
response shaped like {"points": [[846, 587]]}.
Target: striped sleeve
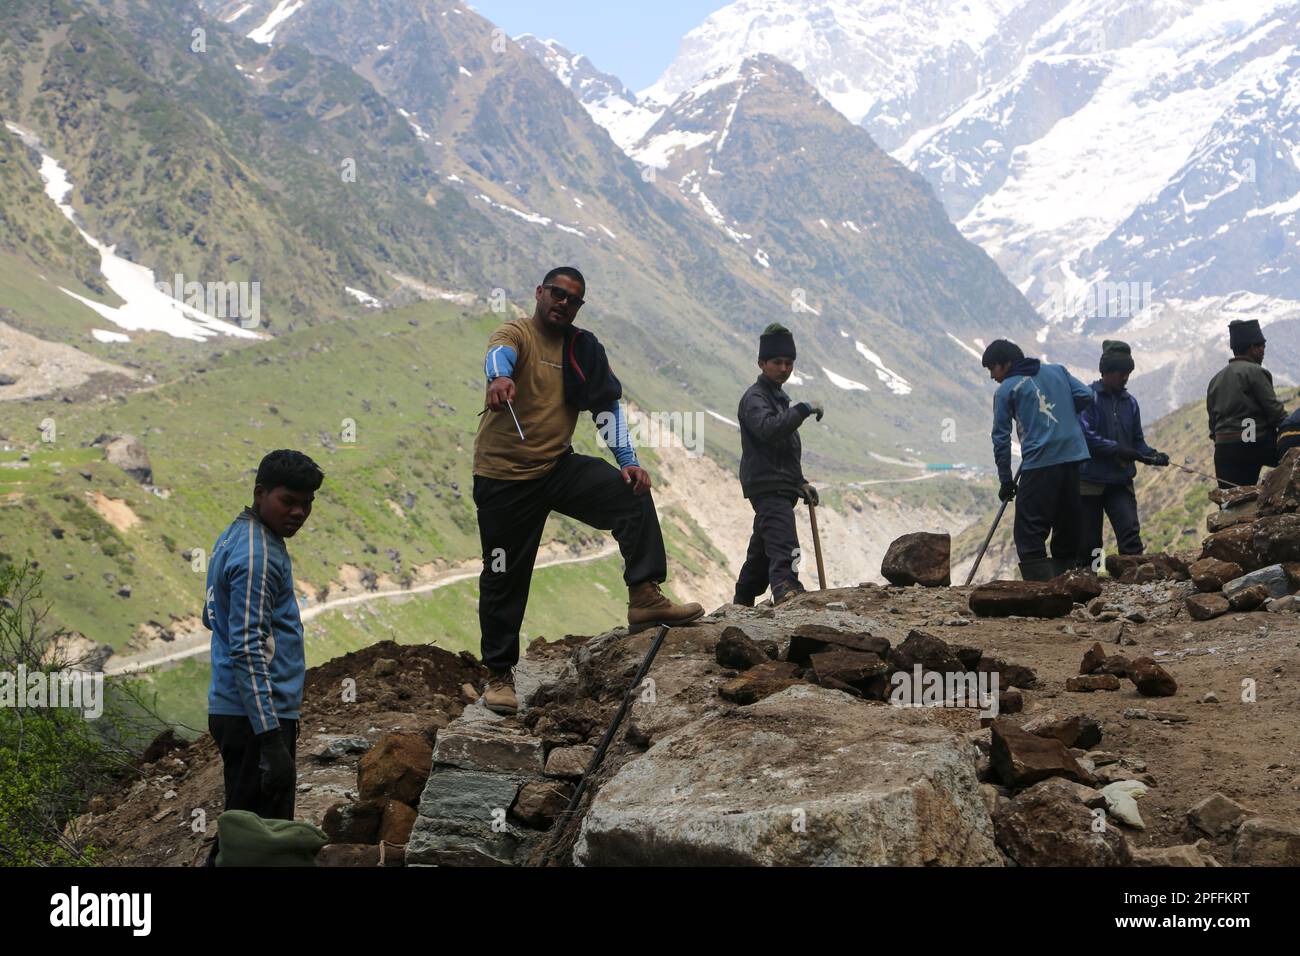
{"points": [[500, 362], [612, 424], [250, 576]]}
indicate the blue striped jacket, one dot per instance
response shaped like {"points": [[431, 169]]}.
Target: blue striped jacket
{"points": [[258, 661]]}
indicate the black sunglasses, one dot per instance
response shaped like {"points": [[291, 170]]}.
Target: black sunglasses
{"points": [[563, 296]]}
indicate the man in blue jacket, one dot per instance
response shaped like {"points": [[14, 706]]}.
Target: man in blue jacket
{"points": [[1044, 401], [1112, 425], [258, 665]]}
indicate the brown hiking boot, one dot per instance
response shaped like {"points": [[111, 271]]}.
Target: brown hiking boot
{"points": [[647, 607], [499, 696]]}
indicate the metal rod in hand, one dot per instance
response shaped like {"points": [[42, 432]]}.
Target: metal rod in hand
{"points": [[516, 418], [599, 755], [1201, 474], [817, 544], [989, 538]]}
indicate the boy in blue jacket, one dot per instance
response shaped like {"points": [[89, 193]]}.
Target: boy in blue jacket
{"points": [[1112, 425], [1044, 401], [258, 665]]}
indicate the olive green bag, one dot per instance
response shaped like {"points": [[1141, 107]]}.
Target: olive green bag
{"points": [[245, 839]]}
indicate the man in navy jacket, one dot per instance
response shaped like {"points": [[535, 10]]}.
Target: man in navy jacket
{"points": [[1112, 425]]}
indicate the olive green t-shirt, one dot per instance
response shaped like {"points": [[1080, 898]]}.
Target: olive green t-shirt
{"points": [[547, 421]]}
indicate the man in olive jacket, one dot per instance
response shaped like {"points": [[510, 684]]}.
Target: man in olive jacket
{"points": [[771, 474], [1244, 411]]}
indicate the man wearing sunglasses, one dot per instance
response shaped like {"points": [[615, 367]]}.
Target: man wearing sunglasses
{"points": [[541, 372]]}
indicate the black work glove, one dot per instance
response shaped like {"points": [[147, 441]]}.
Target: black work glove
{"points": [[810, 493], [813, 408], [1126, 454], [278, 771], [1158, 460], [1007, 491]]}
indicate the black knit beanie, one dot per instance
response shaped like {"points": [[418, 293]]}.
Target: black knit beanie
{"points": [[775, 342], [1116, 356], [1243, 334]]}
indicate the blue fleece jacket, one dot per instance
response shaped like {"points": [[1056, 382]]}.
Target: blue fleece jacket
{"points": [[1043, 401], [1110, 422], [258, 664]]}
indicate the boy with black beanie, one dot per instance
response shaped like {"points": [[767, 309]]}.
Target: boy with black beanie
{"points": [[1112, 426], [771, 473]]}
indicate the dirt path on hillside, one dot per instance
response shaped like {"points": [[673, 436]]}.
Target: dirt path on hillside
{"points": [[199, 644]]}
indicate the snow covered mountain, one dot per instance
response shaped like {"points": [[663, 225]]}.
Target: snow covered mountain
{"points": [[1133, 166], [611, 104]]}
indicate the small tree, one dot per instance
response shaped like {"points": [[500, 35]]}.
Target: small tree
{"points": [[53, 759]]}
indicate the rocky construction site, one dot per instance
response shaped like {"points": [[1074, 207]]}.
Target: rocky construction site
{"points": [[1145, 717]]}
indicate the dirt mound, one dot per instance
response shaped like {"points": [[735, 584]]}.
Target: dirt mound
{"points": [[160, 815]]}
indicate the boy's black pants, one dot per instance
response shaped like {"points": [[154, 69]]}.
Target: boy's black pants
{"points": [[1047, 502], [773, 547], [241, 756], [511, 516], [1119, 503]]}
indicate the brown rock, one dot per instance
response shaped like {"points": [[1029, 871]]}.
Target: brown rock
{"points": [[569, 762], [1022, 758], [1009, 675], [1250, 599], [1232, 497], [355, 822], [921, 558], [1011, 702], [1217, 815], [810, 639], [1264, 842], [1279, 492], [1082, 586], [1093, 658], [1049, 827], [932, 653], [1087, 683], [347, 854], [735, 650], [1116, 664], [1204, 607], [1023, 598], [1128, 568], [1235, 545], [1076, 730], [1091, 798], [541, 802], [397, 823], [1220, 520], [851, 668], [1151, 679], [759, 682], [1188, 855], [396, 767], [1210, 574]]}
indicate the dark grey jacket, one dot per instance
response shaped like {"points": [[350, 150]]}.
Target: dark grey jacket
{"points": [[769, 441]]}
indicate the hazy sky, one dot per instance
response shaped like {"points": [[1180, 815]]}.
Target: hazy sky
{"points": [[634, 41]]}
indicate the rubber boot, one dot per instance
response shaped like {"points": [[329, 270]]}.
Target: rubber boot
{"points": [[647, 607], [1037, 569]]}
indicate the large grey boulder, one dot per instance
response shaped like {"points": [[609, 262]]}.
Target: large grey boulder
{"points": [[129, 454], [808, 776]]}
